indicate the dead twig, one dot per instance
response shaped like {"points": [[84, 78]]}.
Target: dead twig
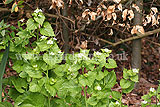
{"points": [[128, 39], [47, 14]]}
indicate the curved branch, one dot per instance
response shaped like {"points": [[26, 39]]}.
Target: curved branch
{"points": [[47, 14], [138, 36], [128, 39]]}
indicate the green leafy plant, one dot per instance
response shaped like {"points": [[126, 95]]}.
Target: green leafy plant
{"points": [[129, 79], [4, 42], [45, 81], [147, 98]]}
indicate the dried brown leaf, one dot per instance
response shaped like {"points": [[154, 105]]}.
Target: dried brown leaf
{"points": [[81, 1], [85, 13], [124, 14], [122, 25], [119, 7], [111, 9], [114, 22], [136, 7], [114, 16], [154, 10], [158, 19], [98, 11], [154, 21], [57, 3], [148, 17], [70, 2], [109, 17], [140, 29], [103, 15], [117, 1], [93, 15], [131, 14], [136, 29], [84, 44], [111, 32], [103, 6]]}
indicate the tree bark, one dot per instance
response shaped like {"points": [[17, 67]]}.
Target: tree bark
{"points": [[65, 29], [136, 44]]}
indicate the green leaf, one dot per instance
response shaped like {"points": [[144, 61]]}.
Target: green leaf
{"points": [[146, 97], [28, 98], [13, 93], [31, 25], [28, 56], [1, 23], [111, 64], [134, 78], [125, 74], [158, 90], [116, 95], [47, 29], [43, 46], [7, 1], [3, 32], [14, 7], [40, 18], [59, 70], [23, 75], [91, 77], [41, 81], [59, 83], [20, 84], [5, 104], [50, 89], [100, 75], [52, 59], [92, 101], [110, 79], [1, 47], [27, 105], [129, 89], [2, 68], [34, 87], [32, 72], [83, 81], [23, 34], [111, 104], [101, 94], [3, 62], [125, 83], [20, 2], [87, 78]]}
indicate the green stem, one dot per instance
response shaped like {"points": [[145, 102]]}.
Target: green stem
{"points": [[49, 104], [37, 34], [85, 96], [48, 95], [121, 100], [156, 98], [47, 74]]}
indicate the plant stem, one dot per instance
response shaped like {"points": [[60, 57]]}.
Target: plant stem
{"points": [[85, 96], [49, 101], [48, 95], [121, 100], [156, 98], [37, 34]]}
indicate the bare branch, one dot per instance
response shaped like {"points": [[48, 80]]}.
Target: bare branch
{"points": [[128, 39]]}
